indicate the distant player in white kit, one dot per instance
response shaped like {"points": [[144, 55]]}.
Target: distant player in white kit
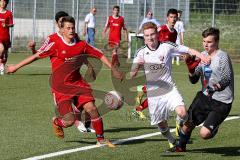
{"points": [[162, 94]]}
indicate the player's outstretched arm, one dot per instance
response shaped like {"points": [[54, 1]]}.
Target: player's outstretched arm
{"points": [[116, 73], [28, 60], [204, 59]]}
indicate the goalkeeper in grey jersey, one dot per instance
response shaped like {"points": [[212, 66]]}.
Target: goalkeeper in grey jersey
{"points": [[213, 103]]}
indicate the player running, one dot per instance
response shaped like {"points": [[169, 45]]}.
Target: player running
{"points": [[212, 104], [115, 23], [67, 84], [166, 33], [82, 127], [6, 21], [162, 93]]}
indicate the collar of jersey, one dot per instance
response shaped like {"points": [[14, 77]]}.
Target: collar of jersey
{"points": [[3, 12], [71, 44], [154, 49]]}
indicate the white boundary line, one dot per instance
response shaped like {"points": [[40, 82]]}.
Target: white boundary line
{"points": [[59, 153]]}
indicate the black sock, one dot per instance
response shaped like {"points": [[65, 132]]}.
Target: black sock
{"points": [[183, 138]]}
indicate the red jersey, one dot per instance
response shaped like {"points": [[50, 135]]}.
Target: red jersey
{"points": [[60, 52], [7, 18], [115, 25], [167, 34]]}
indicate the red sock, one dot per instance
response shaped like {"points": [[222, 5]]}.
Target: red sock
{"points": [[143, 105], [115, 59], [59, 122], [97, 125]]}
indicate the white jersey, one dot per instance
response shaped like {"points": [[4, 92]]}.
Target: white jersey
{"points": [[180, 29], [158, 67]]}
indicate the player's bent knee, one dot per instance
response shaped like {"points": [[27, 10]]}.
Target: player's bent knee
{"points": [[181, 111], [205, 133], [90, 107]]}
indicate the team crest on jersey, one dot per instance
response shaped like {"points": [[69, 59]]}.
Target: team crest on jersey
{"points": [[64, 52], [147, 53]]}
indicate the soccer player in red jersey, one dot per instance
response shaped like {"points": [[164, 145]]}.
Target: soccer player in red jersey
{"points": [[166, 33], [82, 127], [67, 84], [6, 21], [115, 23]]}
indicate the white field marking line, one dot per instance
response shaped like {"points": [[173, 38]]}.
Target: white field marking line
{"points": [[59, 153]]}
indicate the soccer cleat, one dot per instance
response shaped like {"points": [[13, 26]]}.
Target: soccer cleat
{"points": [[58, 130], [175, 149], [89, 129], [105, 142], [139, 114], [177, 63], [80, 126], [171, 148], [177, 130]]}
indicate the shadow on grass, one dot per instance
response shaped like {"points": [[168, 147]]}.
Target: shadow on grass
{"points": [[173, 155], [223, 151], [80, 141], [138, 141], [128, 129]]}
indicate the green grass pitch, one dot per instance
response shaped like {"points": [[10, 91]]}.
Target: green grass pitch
{"points": [[27, 109]]}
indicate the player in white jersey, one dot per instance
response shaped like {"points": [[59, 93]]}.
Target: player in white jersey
{"points": [[162, 94], [179, 26]]}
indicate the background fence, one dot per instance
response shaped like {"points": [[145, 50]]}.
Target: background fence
{"points": [[34, 19]]}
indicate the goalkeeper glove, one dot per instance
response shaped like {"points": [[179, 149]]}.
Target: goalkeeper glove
{"points": [[192, 63]]}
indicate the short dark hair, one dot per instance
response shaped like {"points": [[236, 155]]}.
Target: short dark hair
{"points": [[60, 14], [172, 11], [211, 32], [67, 19], [117, 7]]}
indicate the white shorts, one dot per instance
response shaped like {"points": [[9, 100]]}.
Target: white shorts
{"points": [[161, 106]]}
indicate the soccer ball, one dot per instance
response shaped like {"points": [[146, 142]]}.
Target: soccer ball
{"points": [[114, 100]]}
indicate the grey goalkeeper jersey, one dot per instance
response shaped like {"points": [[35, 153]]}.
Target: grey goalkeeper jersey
{"points": [[222, 73]]}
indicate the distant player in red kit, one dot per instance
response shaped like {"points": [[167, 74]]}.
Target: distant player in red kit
{"points": [[115, 23], [68, 86], [166, 33], [6, 21]]}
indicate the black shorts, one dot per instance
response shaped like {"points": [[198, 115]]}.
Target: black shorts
{"points": [[207, 110]]}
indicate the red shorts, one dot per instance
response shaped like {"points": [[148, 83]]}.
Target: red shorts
{"points": [[6, 43], [64, 101], [113, 44]]}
